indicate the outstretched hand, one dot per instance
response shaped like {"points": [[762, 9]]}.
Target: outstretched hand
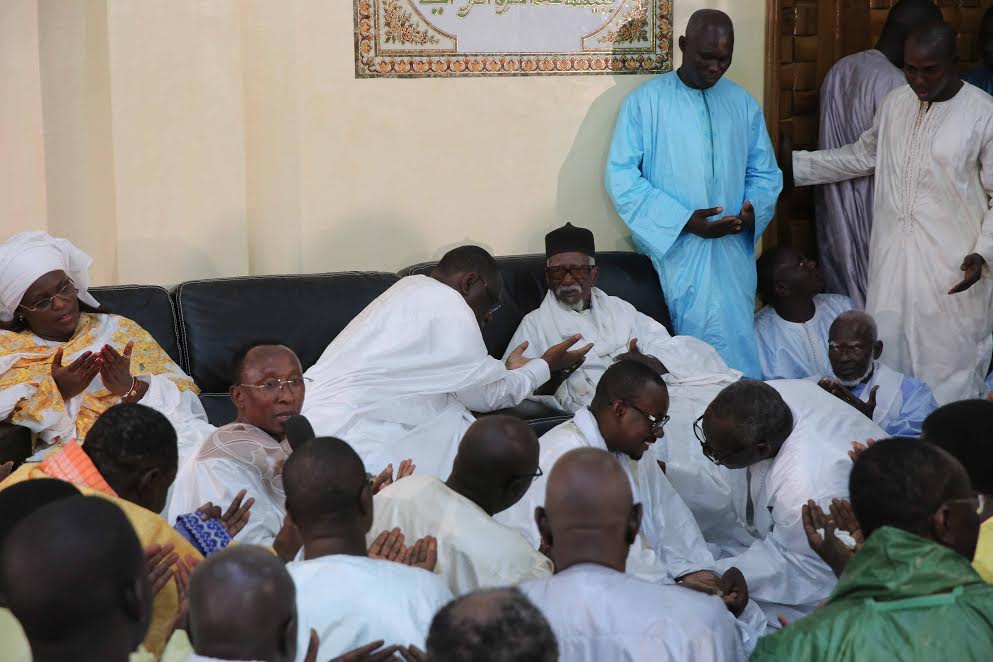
{"points": [[635, 354], [858, 449], [73, 379], [821, 533], [516, 359], [234, 518], [559, 357], [385, 478], [972, 267]]}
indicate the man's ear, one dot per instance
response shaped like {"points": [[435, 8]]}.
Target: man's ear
{"points": [[634, 524], [365, 502], [145, 482], [466, 283], [780, 289], [237, 395], [288, 637], [940, 528], [544, 529], [682, 44], [877, 349]]}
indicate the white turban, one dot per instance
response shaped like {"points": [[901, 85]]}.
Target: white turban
{"points": [[27, 256]]}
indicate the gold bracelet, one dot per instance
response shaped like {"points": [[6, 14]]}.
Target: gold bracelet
{"points": [[133, 391]]}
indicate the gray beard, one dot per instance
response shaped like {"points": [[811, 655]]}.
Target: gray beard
{"points": [[852, 383], [579, 306]]}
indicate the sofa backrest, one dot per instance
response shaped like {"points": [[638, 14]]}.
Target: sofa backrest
{"points": [[217, 317], [629, 276], [149, 306]]}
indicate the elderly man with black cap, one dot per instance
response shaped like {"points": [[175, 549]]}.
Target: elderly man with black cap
{"points": [[693, 371]]}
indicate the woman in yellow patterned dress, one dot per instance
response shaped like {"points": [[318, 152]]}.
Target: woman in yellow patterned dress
{"points": [[63, 362]]}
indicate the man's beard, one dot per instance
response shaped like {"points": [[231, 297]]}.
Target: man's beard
{"points": [[852, 383], [580, 304]]}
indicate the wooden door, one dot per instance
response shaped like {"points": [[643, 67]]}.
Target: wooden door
{"points": [[804, 39]]}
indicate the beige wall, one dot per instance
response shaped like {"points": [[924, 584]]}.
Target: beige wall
{"points": [[195, 138]]}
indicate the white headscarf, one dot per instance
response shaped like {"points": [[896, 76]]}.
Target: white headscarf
{"points": [[27, 256]]}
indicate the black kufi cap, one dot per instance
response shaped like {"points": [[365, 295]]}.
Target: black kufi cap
{"points": [[569, 239]]}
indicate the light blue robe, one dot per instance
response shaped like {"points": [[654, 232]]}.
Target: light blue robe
{"points": [[791, 350], [676, 150], [918, 403]]}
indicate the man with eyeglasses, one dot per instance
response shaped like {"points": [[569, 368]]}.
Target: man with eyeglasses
{"points": [[249, 453], [910, 592], [895, 402], [693, 370], [404, 377], [496, 464], [628, 414], [790, 439]]}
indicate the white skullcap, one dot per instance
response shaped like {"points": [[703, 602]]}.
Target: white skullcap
{"points": [[27, 256]]}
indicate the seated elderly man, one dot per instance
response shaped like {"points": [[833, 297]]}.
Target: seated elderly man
{"points": [[404, 377], [249, 453], [792, 328], [791, 440], [588, 523], [909, 593], [496, 464], [895, 402], [693, 370], [63, 361], [627, 416]]}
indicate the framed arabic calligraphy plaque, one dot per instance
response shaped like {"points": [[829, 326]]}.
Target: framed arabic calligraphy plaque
{"points": [[449, 38]]}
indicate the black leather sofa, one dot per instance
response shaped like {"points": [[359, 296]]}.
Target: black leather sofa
{"points": [[203, 323]]}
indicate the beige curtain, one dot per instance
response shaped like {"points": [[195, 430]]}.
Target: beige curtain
{"points": [[181, 139]]}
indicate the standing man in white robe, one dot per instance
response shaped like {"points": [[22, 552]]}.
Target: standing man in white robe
{"points": [[852, 92], [693, 371], [895, 402], [496, 464], [792, 328], [348, 598], [791, 439], [268, 388], [588, 522], [931, 148], [404, 377]]}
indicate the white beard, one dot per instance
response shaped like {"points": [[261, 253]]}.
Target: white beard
{"points": [[852, 383], [579, 306]]}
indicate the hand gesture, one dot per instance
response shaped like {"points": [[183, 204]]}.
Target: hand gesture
{"points": [[388, 546], [413, 654], [287, 542], [707, 229], [74, 378], [635, 354], [159, 560], [703, 581], [559, 357], [844, 520], [115, 369], [735, 591], [826, 545], [369, 653], [234, 518], [972, 265], [858, 449], [385, 478], [423, 554], [842, 393], [516, 359], [5, 470], [747, 216]]}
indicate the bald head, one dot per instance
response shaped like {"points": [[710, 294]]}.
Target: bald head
{"points": [[497, 625], [326, 487], [242, 606], [707, 47], [588, 516], [97, 605], [496, 462]]}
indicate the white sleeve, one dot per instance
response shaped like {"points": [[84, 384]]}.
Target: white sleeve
{"points": [[509, 391]]}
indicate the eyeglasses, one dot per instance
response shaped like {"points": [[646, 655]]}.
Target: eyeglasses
{"points": [[979, 500], [855, 347], [274, 386], [578, 271], [531, 477], [495, 304], [658, 424], [67, 293], [706, 448]]}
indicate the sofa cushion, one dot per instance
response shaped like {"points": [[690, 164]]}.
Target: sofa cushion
{"points": [[218, 317], [629, 276], [149, 306]]}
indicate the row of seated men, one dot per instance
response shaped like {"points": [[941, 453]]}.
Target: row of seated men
{"points": [[739, 484]]}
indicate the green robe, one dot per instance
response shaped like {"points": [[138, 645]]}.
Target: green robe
{"points": [[900, 598]]}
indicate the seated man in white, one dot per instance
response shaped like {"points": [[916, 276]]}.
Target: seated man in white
{"points": [[791, 439], [249, 453], [598, 612], [692, 369], [895, 402], [348, 598], [626, 417], [496, 464], [792, 328], [404, 377]]}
